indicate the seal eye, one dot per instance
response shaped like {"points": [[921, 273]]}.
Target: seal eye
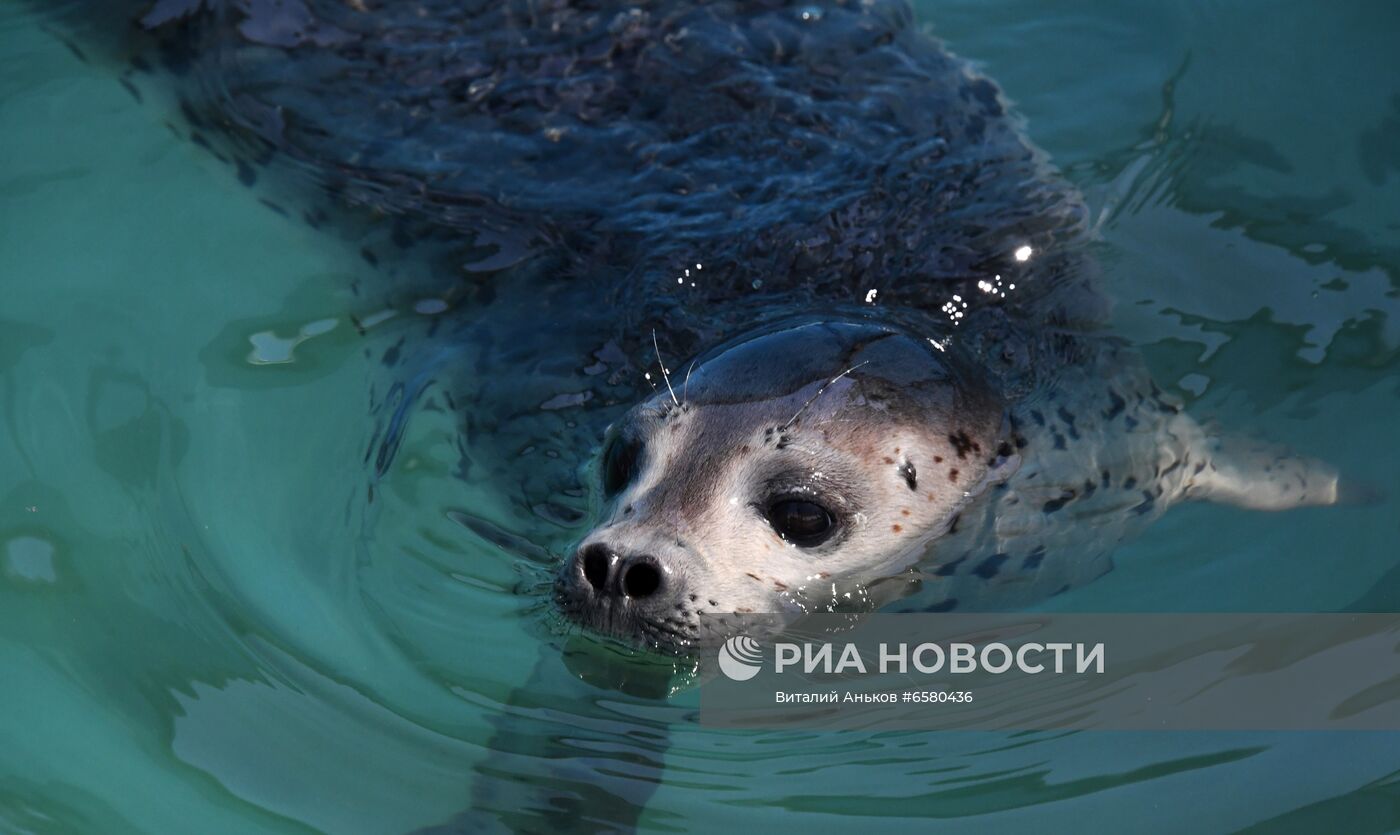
{"points": [[619, 462], [803, 523]]}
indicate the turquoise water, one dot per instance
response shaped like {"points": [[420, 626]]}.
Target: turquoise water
{"points": [[206, 626]]}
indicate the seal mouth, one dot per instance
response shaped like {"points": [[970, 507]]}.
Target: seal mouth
{"points": [[674, 632]]}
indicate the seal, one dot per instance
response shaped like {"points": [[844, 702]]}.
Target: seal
{"points": [[900, 387], [839, 466]]}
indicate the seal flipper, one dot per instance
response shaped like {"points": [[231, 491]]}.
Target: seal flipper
{"points": [[1261, 476]]}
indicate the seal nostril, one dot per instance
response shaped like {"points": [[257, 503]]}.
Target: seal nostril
{"points": [[641, 579], [595, 566]]}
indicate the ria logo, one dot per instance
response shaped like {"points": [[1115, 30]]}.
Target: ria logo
{"points": [[740, 658]]}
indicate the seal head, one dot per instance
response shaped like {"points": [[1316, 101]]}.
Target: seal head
{"points": [[790, 470]]}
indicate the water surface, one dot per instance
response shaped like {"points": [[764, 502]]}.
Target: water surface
{"points": [[206, 624]]}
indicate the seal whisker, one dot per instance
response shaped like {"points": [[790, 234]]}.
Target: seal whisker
{"points": [[824, 387], [685, 387], [665, 375]]}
